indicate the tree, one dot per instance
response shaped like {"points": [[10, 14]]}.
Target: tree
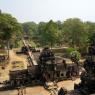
{"points": [[60, 38], [30, 28], [90, 29], [73, 32], [49, 35], [59, 25], [40, 30], [10, 29]]}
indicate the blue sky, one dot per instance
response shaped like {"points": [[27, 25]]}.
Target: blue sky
{"points": [[44, 10]]}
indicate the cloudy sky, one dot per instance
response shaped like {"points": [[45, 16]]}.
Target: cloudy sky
{"points": [[44, 10]]}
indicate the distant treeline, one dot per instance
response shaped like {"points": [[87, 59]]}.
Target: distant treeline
{"points": [[72, 32]]}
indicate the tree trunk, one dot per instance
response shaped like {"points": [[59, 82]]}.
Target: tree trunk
{"points": [[8, 48], [51, 45]]}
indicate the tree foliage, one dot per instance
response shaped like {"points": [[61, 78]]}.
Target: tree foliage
{"points": [[30, 28], [49, 35], [73, 32], [10, 29]]}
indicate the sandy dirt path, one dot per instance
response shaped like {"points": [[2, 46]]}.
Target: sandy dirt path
{"points": [[39, 90], [4, 73]]}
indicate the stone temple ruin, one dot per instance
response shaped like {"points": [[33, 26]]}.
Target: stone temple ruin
{"points": [[87, 84]]}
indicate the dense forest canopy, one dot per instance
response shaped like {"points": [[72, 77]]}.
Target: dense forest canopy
{"points": [[72, 32]]}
